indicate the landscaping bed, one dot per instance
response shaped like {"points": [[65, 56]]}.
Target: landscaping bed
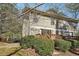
{"points": [[75, 47], [26, 52], [45, 46], [60, 53], [33, 46], [75, 51], [42, 46], [31, 52]]}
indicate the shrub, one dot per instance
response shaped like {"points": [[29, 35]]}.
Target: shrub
{"points": [[11, 37], [45, 47], [63, 45], [27, 42], [42, 47], [8, 34], [75, 44], [15, 38]]}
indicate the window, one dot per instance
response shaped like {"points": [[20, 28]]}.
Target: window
{"points": [[52, 21], [45, 32], [35, 18]]}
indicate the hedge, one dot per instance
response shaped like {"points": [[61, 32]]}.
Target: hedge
{"points": [[27, 42], [75, 44], [63, 45], [42, 46], [45, 47]]}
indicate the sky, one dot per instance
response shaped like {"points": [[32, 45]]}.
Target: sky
{"points": [[45, 7], [20, 5]]}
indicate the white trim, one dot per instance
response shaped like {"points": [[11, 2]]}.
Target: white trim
{"points": [[39, 27]]}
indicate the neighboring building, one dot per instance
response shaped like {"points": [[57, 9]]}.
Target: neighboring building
{"points": [[38, 22]]}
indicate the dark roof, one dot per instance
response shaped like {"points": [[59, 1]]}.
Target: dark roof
{"points": [[51, 15]]}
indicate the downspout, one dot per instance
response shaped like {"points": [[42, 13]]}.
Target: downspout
{"points": [[57, 29], [29, 26], [57, 25]]}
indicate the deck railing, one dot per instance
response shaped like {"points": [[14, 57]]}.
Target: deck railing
{"points": [[71, 37]]}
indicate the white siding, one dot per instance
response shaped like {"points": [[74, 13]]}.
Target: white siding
{"points": [[43, 23]]}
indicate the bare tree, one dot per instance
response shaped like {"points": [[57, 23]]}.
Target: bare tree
{"points": [[73, 8], [9, 21]]}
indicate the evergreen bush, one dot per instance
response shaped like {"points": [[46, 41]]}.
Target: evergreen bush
{"points": [[63, 45], [75, 44], [42, 46]]}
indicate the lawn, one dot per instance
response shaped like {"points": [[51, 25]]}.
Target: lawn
{"points": [[8, 48], [7, 51]]}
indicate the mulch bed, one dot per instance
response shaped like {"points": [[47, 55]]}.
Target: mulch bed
{"points": [[60, 53], [26, 52], [2, 39], [75, 51]]}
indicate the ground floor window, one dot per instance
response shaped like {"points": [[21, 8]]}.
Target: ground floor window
{"points": [[45, 32]]}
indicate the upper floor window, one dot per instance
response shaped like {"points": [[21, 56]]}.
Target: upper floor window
{"points": [[35, 18], [52, 21]]}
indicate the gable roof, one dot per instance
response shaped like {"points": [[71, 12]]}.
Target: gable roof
{"points": [[58, 17]]}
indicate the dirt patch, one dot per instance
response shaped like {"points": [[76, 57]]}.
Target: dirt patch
{"points": [[7, 51], [31, 52], [2, 39], [26, 52], [59, 53], [8, 48], [9, 45], [75, 51]]}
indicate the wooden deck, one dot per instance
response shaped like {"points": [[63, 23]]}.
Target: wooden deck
{"points": [[71, 37]]}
